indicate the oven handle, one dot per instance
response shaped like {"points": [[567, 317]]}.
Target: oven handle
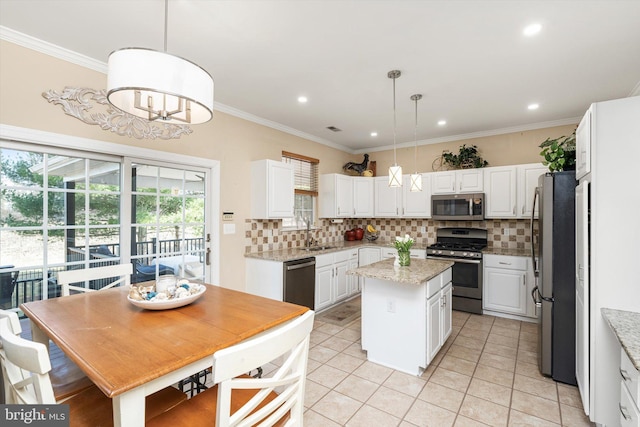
{"points": [[465, 261]]}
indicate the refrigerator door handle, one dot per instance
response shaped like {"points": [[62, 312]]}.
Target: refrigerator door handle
{"points": [[536, 195]]}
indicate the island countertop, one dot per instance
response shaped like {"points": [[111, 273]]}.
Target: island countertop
{"points": [[420, 270]]}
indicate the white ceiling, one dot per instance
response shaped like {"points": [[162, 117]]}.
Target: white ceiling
{"points": [[469, 59]]}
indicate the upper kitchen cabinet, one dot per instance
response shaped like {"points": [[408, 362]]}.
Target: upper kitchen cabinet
{"points": [[387, 200], [501, 194], [272, 190], [457, 181], [583, 146], [416, 204], [343, 196], [528, 176]]}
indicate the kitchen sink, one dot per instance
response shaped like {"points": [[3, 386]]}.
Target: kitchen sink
{"points": [[318, 248]]}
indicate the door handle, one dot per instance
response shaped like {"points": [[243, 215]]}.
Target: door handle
{"points": [[207, 257]]}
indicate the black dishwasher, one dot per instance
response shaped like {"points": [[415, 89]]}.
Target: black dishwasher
{"points": [[300, 281]]}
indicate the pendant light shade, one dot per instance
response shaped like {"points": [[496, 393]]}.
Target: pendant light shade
{"points": [[158, 86], [416, 178], [395, 171]]}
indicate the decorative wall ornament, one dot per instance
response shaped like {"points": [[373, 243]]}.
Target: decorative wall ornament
{"points": [[77, 102]]}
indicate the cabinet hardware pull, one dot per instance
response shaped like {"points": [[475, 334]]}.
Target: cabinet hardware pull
{"points": [[625, 375], [623, 411], [522, 209], [504, 263], [524, 280]]}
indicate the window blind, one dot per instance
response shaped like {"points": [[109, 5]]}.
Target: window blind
{"points": [[305, 171]]}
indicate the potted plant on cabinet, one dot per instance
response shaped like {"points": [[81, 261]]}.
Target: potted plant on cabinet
{"points": [[559, 153]]}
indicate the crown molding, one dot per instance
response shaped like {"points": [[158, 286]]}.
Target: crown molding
{"points": [[480, 134]]}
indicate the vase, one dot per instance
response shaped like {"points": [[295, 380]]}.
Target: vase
{"points": [[404, 258]]}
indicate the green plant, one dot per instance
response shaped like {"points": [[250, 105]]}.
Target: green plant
{"points": [[559, 153], [403, 244], [466, 158]]}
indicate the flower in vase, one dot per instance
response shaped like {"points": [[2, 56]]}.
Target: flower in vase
{"points": [[403, 244]]}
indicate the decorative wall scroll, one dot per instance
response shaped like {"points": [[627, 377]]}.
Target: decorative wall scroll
{"points": [[77, 102]]}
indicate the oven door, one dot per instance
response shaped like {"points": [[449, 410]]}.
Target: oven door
{"points": [[466, 276]]}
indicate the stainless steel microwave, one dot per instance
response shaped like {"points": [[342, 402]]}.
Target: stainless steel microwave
{"points": [[467, 207]]}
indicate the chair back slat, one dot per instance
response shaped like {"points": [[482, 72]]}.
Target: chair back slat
{"points": [[13, 321], [122, 273]]}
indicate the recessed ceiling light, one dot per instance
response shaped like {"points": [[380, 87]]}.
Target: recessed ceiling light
{"points": [[442, 122], [374, 133], [302, 99], [532, 30], [533, 106]]}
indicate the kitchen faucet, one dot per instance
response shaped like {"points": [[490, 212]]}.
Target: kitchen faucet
{"points": [[309, 241]]}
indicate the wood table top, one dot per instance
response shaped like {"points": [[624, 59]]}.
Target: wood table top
{"points": [[120, 346]]}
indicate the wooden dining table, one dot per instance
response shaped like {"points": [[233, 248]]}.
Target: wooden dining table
{"points": [[130, 353]]}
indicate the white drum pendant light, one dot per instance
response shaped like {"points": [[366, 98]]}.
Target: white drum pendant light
{"points": [[159, 86], [416, 178], [395, 171]]}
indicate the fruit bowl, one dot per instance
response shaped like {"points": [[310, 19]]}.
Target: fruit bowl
{"points": [[371, 233]]}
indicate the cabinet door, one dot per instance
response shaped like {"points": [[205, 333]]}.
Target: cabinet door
{"points": [[583, 146], [340, 283], [469, 181], [447, 293], [281, 190], [416, 204], [505, 290], [433, 326], [324, 279], [344, 196], [362, 197], [582, 292], [501, 192], [386, 199], [527, 182], [443, 182]]}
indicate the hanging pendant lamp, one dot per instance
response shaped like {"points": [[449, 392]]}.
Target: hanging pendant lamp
{"points": [[158, 86], [416, 178], [395, 171]]}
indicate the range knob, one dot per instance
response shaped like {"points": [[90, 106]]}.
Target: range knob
{"points": [[464, 254], [451, 253], [439, 252]]}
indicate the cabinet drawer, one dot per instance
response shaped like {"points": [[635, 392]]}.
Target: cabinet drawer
{"points": [[629, 414], [508, 262], [630, 377], [388, 252], [434, 285], [345, 255], [325, 259]]}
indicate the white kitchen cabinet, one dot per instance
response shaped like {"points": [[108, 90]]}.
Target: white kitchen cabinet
{"points": [[528, 175], [343, 196], [416, 204], [629, 392], [256, 270], [457, 181], [387, 200], [324, 281], [501, 193], [272, 190], [438, 319], [583, 146], [332, 283], [506, 285]]}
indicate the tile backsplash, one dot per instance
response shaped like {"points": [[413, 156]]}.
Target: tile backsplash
{"points": [[268, 235]]}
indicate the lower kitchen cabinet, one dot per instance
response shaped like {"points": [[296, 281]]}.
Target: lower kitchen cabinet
{"points": [[507, 284], [438, 320], [629, 392], [332, 283]]}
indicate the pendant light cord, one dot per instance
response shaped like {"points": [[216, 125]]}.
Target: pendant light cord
{"points": [[415, 140], [395, 162], [166, 21]]}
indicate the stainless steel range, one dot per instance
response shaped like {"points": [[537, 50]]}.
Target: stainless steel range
{"points": [[463, 246]]}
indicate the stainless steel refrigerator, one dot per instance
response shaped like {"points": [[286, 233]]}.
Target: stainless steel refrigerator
{"points": [[553, 255]]}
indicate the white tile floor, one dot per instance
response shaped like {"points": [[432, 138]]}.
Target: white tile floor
{"points": [[486, 374]]}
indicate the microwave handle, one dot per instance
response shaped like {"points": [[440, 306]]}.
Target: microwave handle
{"points": [[470, 206]]}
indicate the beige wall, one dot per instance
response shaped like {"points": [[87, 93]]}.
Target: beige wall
{"points": [[25, 74]]}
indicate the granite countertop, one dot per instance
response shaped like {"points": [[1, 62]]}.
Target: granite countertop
{"points": [[290, 254], [626, 326], [420, 270]]}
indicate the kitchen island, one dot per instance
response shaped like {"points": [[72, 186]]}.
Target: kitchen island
{"points": [[406, 312]]}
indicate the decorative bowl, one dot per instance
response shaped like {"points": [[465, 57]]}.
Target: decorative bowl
{"points": [[371, 236], [165, 304]]}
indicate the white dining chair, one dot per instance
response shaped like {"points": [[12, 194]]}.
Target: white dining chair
{"points": [[66, 378], [26, 367], [240, 400], [121, 273]]}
